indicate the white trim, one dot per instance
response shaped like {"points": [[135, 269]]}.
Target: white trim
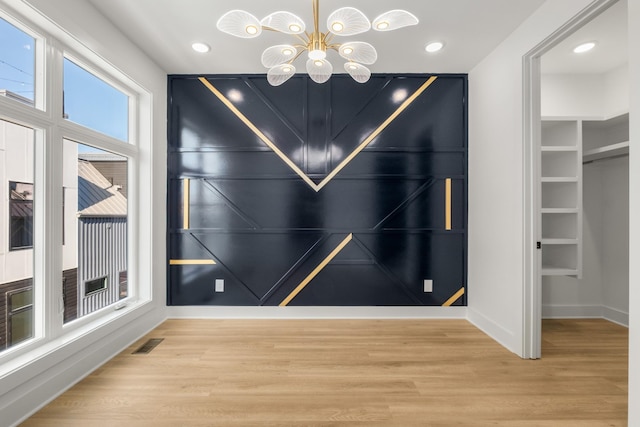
{"points": [[616, 316], [306, 312], [503, 336], [555, 311]]}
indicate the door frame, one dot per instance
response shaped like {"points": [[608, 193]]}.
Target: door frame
{"points": [[532, 283]]}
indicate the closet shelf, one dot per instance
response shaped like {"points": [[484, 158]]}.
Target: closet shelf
{"points": [[558, 148], [559, 179], [613, 150], [558, 271], [558, 210], [559, 241]]}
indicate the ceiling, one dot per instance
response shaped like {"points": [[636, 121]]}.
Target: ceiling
{"points": [[608, 30], [470, 29], [165, 29]]}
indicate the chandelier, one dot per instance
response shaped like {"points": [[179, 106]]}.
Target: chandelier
{"points": [[343, 22]]}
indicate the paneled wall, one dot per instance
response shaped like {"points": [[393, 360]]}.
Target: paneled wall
{"points": [[307, 194]]}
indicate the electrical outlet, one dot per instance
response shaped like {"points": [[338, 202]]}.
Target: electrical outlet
{"points": [[219, 285], [428, 285]]}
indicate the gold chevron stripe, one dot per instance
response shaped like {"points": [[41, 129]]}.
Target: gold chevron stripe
{"points": [[447, 204], [258, 132], [317, 270], [185, 203], [346, 161], [377, 132], [191, 262], [454, 298]]}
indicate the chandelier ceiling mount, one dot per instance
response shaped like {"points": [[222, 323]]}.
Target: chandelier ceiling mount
{"points": [[343, 22]]}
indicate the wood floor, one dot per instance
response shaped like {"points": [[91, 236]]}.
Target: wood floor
{"points": [[353, 373]]}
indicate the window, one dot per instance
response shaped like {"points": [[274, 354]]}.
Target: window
{"points": [[17, 63], [85, 139], [17, 194], [20, 215], [91, 102], [95, 285], [122, 283], [99, 217], [20, 316]]}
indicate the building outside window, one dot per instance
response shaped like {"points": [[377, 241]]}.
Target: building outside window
{"points": [[20, 215]]}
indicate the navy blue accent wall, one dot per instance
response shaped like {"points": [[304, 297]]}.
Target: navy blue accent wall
{"points": [[370, 236]]}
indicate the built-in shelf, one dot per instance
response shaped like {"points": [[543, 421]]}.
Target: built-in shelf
{"points": [[612, 150], [555, 271], [558, 241], [556, 148], [561, 197], [558, 210], [559, 179]]}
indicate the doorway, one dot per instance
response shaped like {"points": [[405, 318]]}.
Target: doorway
{"points": [[572, 112]]}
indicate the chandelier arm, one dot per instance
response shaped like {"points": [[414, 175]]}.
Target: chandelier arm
{"points": [[328, 37], [299, 37], [297, 56]]}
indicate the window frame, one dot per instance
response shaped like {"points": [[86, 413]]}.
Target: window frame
{"points": [[50, 130]]}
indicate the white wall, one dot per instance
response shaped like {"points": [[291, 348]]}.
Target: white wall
{"points": [[596, 96], [31, 380], [582, 94], [634, 212], [496, 180], [16, 164]]}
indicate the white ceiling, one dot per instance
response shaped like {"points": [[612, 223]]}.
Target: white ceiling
{"points": [[165, 29], [470, 29], [609, 30]]}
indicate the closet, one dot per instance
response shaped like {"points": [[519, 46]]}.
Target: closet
{"points": [[583, 206]]}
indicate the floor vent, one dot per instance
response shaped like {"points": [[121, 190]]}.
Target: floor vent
{"points": [[148, 346]]}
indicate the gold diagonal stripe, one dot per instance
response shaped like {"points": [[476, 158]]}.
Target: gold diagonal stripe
{"points": [[258, 133], [346, 161], [191, 262], [376, 132], [317, 270], [454, 298]]}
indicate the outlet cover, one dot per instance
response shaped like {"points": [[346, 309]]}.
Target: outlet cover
{"points": [[428, 285], [219, 285]]}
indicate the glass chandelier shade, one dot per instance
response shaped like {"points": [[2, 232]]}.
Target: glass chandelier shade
{"points": [[343, 22]]}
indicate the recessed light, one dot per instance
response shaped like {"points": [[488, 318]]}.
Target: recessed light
{"points": [[200, 47], [584, 47], [434, 47]]}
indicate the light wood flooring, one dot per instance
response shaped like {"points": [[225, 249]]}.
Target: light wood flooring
{"points": [[353, 373]]}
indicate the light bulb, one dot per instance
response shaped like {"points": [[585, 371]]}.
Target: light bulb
{"points": [[251, 29], [318, 63], [347, 50], [434, 47], [295, 28], [382, 25], [200, 47], [287, 52], [584, 47], [317, 54], [336, 27]]}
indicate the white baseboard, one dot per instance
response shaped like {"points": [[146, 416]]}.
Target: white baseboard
{"points": [[553, 311], [496, 332], [616, 316], [224, 312]]}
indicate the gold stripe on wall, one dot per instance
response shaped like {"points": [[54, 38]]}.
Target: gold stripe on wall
{"points": [[191, 262], [346, 161], [454, 298], [447, 204], [258, 133], [186, 184], [317, 270], [377, 132]]}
